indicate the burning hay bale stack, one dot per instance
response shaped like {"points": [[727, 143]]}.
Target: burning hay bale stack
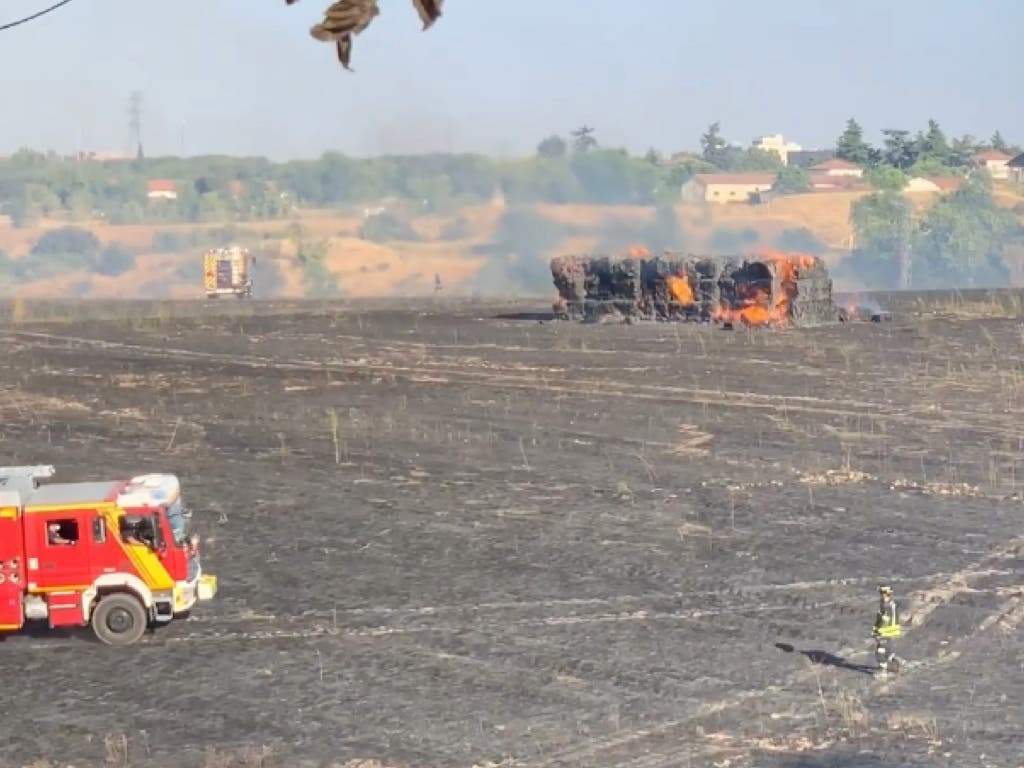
{"points": [[667, 283], [767, 289]]}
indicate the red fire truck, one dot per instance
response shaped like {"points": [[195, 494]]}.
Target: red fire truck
{"points": [[114, 555]]}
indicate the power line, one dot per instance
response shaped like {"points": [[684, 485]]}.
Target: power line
{"points": [[34, 16]]}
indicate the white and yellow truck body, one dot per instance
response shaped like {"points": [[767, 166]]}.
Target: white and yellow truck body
{"points": [[227, 272]]}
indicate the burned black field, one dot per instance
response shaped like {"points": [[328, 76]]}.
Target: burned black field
{"points": [[448, 535]]}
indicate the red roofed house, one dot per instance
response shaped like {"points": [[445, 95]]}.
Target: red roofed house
{"points": [[837, 167], [725, 187], [995, 162], [161, 188]]}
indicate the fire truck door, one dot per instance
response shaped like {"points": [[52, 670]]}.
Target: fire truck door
{"points": [[64, 541]]}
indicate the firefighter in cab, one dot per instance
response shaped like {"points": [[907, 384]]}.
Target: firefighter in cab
{"points": [[887, 629]]}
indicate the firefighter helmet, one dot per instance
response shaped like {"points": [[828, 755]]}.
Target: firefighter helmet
{"points": [[885, 589]]}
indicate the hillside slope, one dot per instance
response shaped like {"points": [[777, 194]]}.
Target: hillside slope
{"points": [[448, 247]]}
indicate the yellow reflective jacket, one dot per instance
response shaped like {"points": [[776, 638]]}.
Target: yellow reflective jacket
{"points": [[887, 623]]}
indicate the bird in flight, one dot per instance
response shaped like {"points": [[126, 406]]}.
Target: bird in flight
{"points": [[345, 18]]}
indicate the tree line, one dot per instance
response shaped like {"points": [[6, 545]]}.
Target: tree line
{"points": [[571, 169], [928, 152], [964, 239]]}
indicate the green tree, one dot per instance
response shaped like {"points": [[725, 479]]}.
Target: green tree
{"points": [[113, 260], [386, 226], [583, 139], [850, 145], [751, 160], [66, 240], [886, 177], [540, 180], [932, 145], [962, 152], [553, 146], [882, 223], [713, 147], [930, 167], [611, 176], [962, 238], [791, 180], [212, 207], [900, 150]]}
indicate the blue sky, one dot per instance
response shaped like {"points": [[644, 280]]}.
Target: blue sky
{"points": [[244, 77]]}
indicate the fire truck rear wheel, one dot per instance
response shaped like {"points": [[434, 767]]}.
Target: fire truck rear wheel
{"points": [[119, 619]]}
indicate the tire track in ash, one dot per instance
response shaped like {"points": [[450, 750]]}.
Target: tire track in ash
{"points": [[929, 599], [755, 592], [593, 388], [307, 629]]}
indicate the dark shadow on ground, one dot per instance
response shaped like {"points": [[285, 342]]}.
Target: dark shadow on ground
{"points": [[840, 759], [827, 659], [41, 631], [540, 317]]}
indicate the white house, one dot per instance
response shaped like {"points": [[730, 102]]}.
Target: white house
{"points": [[725, 187], [777, 144], [161, 189], [995, 162]]}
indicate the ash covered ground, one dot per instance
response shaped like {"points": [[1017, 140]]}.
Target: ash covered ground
{"points": [[539, 544]]}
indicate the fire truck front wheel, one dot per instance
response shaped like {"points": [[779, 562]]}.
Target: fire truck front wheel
{"points": [[119, 619]]}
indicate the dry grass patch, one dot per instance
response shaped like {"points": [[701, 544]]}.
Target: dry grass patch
{"points": [[914, 725]]}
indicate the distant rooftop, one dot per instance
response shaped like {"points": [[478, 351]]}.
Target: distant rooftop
{"points": [[992, 156], [735, 178], [835, 163]]}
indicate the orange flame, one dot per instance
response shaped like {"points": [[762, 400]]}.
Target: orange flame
{"points": [[638, 251], [679, 287], [757, 306]]}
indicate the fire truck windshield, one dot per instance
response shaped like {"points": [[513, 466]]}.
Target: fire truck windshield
{"points": [[176, 520]]}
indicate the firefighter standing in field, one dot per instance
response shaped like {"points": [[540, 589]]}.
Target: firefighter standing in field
{"points": [[887, 629]]}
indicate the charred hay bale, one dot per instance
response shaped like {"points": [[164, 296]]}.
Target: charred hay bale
{"points": [[598, 279], [605, 286], [706, 272], [569, 275], [625, 279], [813, 289], [729, 278], [810, 313]]}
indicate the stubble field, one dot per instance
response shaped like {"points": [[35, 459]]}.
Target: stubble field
{"points": [[451, 534]]}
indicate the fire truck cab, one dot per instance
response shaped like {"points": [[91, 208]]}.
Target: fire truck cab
{"points": [[114, 555]]}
